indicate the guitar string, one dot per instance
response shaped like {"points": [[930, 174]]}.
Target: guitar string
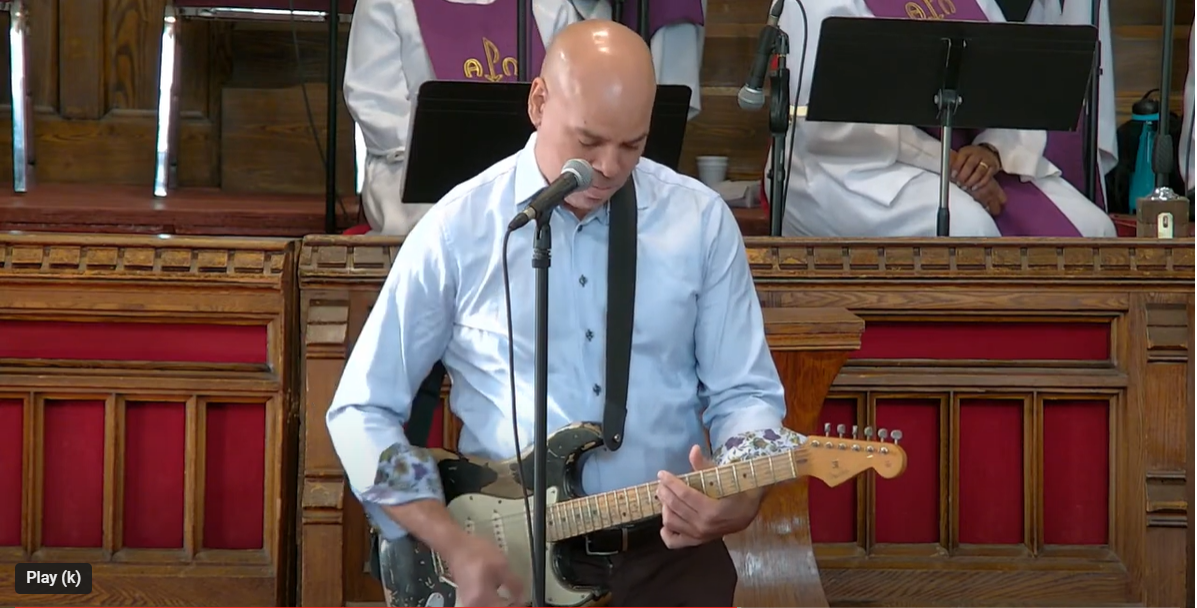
{"points": [[631, 496]]}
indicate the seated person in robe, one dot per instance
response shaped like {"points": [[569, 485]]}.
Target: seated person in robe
{"points": [[1187, 143], [1066, 149], [861, 180], [397, 45]]}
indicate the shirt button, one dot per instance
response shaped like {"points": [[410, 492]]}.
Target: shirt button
{"points": [[597, 389], [582, 280], [589, 335]]}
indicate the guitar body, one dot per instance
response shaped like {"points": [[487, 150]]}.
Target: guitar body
{"points": [[487, 499]]}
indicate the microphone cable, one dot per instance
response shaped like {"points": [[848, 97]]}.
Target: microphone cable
{"points": [[307, 106], [797, 98], [515, 418]]}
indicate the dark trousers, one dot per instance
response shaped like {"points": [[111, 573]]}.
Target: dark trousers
{"points": [[655, 575], [649, 574]]}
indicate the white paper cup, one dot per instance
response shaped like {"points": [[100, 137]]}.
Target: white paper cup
{"points": [[712, 170]]}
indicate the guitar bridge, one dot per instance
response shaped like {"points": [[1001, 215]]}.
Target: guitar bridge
{"points": [[442, 571]]}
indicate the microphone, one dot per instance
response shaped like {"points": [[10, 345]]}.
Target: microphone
{"points": [[752, 94], [575, 175]]}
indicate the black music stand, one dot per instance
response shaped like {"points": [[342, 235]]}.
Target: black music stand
{"points": [[951, 74], [461, 128]]}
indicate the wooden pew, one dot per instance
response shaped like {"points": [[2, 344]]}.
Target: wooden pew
{"points": [[147, 417], [1043, 390], [339, 281], [774, 555], [1041, 386]]}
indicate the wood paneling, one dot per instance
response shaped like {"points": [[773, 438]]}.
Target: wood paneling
{"points": [[809, 345], [88, 366], [93, 69], [1134, 387]]}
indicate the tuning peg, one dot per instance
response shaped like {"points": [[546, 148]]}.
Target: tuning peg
{"points": [[827, 429], [868, 433], [896, 435], [882, 434], [840, 429], [854, 427]]}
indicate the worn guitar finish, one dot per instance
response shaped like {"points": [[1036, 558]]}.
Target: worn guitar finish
{"points": [[487, 499], [420, 576]]}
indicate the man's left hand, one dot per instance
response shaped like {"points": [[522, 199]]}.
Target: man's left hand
{"points": [[974, 166], [692, 518]]}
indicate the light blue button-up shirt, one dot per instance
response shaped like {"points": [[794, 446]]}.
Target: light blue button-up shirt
{"points": [[699, 356]]}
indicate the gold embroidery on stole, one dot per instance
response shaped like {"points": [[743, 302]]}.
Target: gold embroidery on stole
{"points": [[508, 66], [947, 8]]}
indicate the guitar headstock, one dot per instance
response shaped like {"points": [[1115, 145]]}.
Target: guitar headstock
{"points": [[838, 459]]}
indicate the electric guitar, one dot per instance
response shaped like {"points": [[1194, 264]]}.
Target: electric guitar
{"points": [[487, 499]]}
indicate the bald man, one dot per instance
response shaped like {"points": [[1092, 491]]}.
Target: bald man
{"points": [[397, 45], [699, 360]]}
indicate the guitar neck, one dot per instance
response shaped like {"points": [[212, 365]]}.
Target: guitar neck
{"points": [[619, 507]]}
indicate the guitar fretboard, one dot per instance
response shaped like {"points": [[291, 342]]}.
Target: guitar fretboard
{"points": [[619, 507]]}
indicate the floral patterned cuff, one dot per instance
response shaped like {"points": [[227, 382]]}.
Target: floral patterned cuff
{"points": [[754, 444], [405, 474]]}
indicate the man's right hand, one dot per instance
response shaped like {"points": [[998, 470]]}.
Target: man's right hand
{"points": [[479, 569], [991, 196], [483, 575]]}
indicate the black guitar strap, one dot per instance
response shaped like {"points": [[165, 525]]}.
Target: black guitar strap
{"points": [[621, 305], [423, 407]]}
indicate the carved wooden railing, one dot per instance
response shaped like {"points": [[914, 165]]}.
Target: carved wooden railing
{"points": [[1041, 385], [1042, 388], [147, 417], [339, 280]]}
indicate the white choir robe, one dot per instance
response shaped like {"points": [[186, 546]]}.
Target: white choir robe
{"points": [[866, 180], [1080, 12], [1187, 142], [386, 63]]}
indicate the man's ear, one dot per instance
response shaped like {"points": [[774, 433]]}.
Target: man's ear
{"points": [[536, 99]]}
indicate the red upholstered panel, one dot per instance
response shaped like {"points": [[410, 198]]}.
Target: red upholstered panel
{"points": [[833, 510], [12, 443], [907, 507], [1076, 472], [436, 432], [234, 475], [155, 445], [991, 472], [175, 342], [73, 474], [994, 341]]}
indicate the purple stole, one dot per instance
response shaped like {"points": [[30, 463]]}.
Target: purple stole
{"points": [[476, 41], [1028, 212], [1066, 150], [662, 13]]}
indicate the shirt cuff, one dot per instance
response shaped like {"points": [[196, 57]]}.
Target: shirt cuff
{"points": [[755, 444], [405, 474]]}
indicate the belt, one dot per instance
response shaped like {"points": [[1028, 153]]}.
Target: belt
{"points": [[623, 539]]}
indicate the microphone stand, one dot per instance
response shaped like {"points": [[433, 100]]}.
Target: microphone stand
{"points": [[779, 126], [1092, 114], [1161, 160], [330, 146], [642, 16], [542, 245], [521, 41]]}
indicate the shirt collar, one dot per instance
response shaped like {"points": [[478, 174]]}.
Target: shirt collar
{"points": [[529, 181]]}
